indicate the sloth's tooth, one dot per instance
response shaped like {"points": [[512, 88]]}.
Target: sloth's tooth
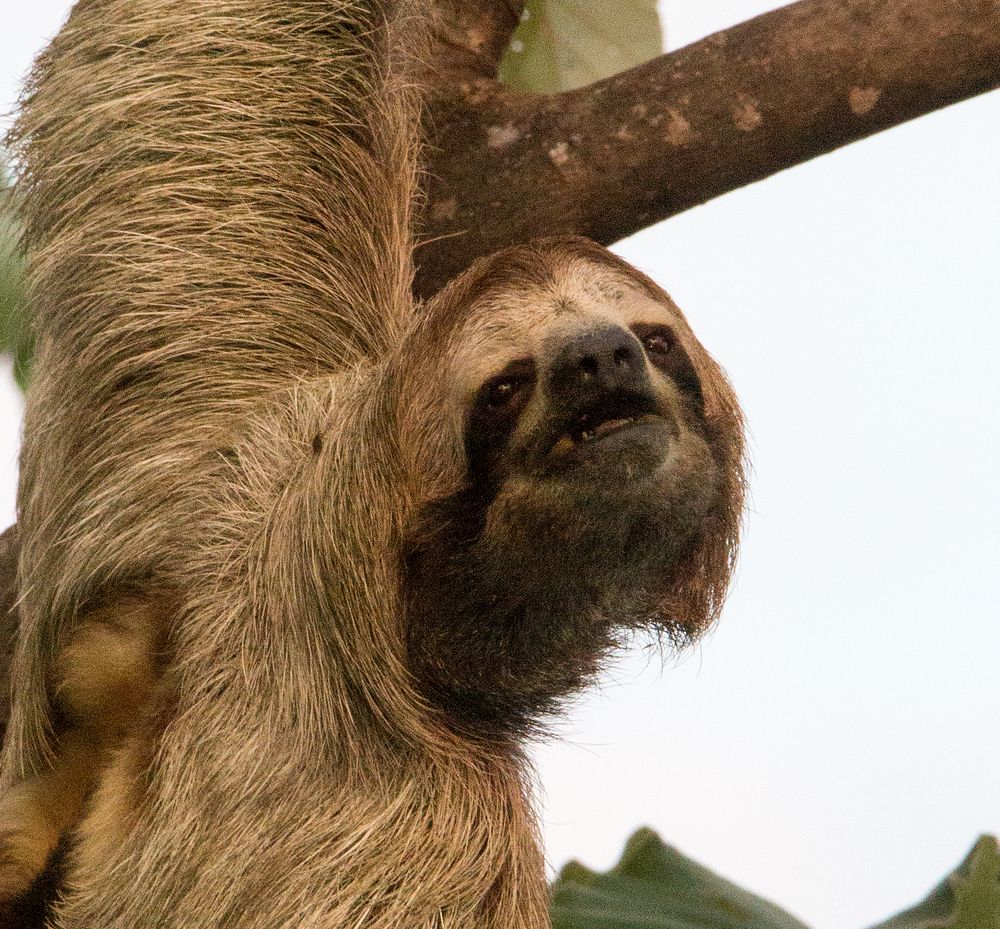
{"points": [[588, 434], [610, 425]]}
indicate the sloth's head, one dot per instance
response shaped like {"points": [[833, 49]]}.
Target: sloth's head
{"points": [[577, 463]]}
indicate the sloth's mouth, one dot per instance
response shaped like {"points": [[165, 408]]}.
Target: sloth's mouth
{"points": [[587, 429], [609, 416]]}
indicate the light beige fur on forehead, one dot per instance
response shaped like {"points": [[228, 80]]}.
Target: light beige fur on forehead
{"points": [[508, 325]]}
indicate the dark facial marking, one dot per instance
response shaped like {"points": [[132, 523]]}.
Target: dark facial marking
{"points": [[495, 412], [665, 352]]}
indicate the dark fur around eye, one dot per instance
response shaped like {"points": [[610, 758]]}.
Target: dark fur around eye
{"points": [[666, 353], [495, 412]]}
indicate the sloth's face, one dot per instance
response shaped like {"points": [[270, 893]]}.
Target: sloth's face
{"points": [[586, 388], [594, 447]]}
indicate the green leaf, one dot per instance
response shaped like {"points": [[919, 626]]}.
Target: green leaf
{"points": [[15, 336], [562, 44], [655, 887], [969, 898]]}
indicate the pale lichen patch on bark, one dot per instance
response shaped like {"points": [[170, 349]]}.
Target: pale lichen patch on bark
{"points": [[863, 99], [500, 137], [678, 130], [559, 154], [746, 114], [444, 210]]}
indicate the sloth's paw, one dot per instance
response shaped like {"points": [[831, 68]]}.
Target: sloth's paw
{"points": [[26, 841], [16, 875]]}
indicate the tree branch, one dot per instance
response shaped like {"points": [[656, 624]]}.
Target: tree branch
{"points": [[610, 159]]}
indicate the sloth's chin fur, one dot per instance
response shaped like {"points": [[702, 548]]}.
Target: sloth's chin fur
{"points": [[518, 591]]}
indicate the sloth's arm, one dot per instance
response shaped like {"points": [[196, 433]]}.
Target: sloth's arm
{"points": [[216, 199]]}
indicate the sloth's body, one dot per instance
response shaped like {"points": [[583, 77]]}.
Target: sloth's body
{"points": [[333, 553]]}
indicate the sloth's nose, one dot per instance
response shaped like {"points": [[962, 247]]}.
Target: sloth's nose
{"points": [[606, 359]]}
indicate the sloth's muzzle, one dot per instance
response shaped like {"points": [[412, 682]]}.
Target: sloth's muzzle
{"points": [[598, 385]]}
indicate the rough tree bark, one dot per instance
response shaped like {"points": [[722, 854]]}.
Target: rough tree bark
{"points": [[610, 159]]}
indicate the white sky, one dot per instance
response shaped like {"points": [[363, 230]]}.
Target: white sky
{"points": [[833, 745]]}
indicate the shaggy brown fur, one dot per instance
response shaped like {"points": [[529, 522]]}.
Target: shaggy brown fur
{"points": [[339, 554]]}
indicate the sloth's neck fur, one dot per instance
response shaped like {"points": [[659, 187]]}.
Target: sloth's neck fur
{"points": [[495, 639], [407, 824]]}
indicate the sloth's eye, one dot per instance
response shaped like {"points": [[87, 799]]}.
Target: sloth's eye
{"points": [[658, 342], [498, 394]]}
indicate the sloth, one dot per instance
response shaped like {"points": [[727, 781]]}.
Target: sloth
{"points": [[422, 559], [305, 562]]}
